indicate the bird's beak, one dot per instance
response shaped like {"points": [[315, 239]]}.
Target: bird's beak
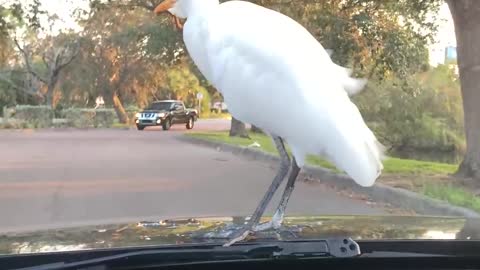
{"points": [[164, 7]]}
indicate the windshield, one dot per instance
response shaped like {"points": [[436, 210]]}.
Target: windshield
{"points": [[317, 119], [160, 106]]}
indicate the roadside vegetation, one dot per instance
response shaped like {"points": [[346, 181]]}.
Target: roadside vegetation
{"points": [[432, 179], [130, 57]]}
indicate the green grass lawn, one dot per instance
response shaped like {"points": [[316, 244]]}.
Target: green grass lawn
{"points": [[392, 165], [210, 115], [424, 176], [454, 195]]}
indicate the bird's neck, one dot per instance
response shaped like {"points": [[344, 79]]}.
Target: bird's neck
{"points": [[194, 8]]}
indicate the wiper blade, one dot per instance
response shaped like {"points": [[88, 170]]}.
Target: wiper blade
{"points": [[284, 249]]}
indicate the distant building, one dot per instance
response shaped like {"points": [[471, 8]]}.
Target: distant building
{"points": [[450, 54], [445, 42]]}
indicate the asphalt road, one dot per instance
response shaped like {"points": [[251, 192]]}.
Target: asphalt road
{"points": [[62, 178]]}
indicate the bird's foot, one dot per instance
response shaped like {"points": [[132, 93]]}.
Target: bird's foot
{"points": [[244, 234], [248, 232], [275, 223]]}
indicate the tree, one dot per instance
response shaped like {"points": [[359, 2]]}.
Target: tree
{"points": [[256, 129], [125, 56], [14, 13], [184, 85], [57, 53], [467, 32], [238, 129], [111, 47], [15, 86]]}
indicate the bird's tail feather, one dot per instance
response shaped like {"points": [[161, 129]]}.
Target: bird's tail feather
{"points": [[351, 85], [354, 86], [353, 148]]}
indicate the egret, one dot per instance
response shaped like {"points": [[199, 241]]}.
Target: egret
{"points": [[274, 74]]}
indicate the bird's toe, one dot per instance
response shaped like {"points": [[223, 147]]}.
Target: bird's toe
{"points": [[242, 235], [265, 226]]}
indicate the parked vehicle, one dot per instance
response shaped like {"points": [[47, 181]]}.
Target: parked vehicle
{"points": [[219, 107], [166, 113]]}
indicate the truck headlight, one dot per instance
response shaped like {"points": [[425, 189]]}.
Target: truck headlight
{"points": [[161, 115], [137, 115]]}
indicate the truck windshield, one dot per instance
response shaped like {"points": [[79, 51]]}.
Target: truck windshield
{"points": [[160, 106]]}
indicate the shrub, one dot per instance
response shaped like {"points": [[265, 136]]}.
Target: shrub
{"points": [[90, 118], [104, 118], [131, 110], [417, 114], [35, 116]]}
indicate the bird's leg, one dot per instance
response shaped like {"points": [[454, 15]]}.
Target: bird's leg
{"points": [[283, 170], [277, 219]]}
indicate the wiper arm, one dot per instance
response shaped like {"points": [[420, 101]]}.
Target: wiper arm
{"points": [[318, 248]]}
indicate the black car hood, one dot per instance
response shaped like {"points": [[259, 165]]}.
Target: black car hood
{"points": [[154, 111], [210, 230]]}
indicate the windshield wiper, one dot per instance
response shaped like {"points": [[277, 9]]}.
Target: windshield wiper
{"points": [[342, 247]]}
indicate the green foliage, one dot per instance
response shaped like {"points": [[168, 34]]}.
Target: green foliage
{"points": [[375, 36], [15, 13], [422, 112], [131, 110], [8, 95], [36, 116], [410, 166], [454, 195], [104, 118], [184, 86]]}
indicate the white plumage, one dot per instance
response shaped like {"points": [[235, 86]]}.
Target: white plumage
{"points": [[274, 74]]}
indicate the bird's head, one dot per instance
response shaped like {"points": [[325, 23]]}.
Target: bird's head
{"points": [[182, 9]]}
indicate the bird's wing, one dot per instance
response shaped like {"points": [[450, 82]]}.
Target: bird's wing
{"points": [[274, 74], [239, 21]]}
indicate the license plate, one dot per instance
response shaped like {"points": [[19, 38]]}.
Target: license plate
{"points": [[148, 115]]}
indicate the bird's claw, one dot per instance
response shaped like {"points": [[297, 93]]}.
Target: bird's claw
{"points": [[242, 235], [265, 226]]}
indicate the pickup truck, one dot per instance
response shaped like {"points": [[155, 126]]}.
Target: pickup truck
{"points": [[166, 113]]}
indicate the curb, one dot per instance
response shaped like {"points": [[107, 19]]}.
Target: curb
{"points": [[397, 197]]}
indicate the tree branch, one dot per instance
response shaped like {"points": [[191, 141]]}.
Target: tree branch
{"points": [[27, 62], [18, 88], [69, 60], [44, 59], [148, 5]]}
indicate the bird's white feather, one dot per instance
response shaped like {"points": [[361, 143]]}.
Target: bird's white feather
{"points": [[352, 86], [274, 74]]}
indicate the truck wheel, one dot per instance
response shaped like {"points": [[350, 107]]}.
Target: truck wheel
{"points": [[167, 124], [140, 127], [190, 122]]}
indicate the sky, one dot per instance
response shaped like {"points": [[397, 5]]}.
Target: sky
{"points": [[64, 10], [445, 36]]}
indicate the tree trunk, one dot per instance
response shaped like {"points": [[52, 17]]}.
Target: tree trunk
{"points": [[469, 230], [120, 110], [50, 91], [467, 31], [238, 129], [256, 129]]}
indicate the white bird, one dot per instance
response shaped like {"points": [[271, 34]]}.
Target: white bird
{"points": [[274, 74]]}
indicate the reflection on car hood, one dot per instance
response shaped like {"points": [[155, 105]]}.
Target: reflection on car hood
{"points": [[210, 230]]}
